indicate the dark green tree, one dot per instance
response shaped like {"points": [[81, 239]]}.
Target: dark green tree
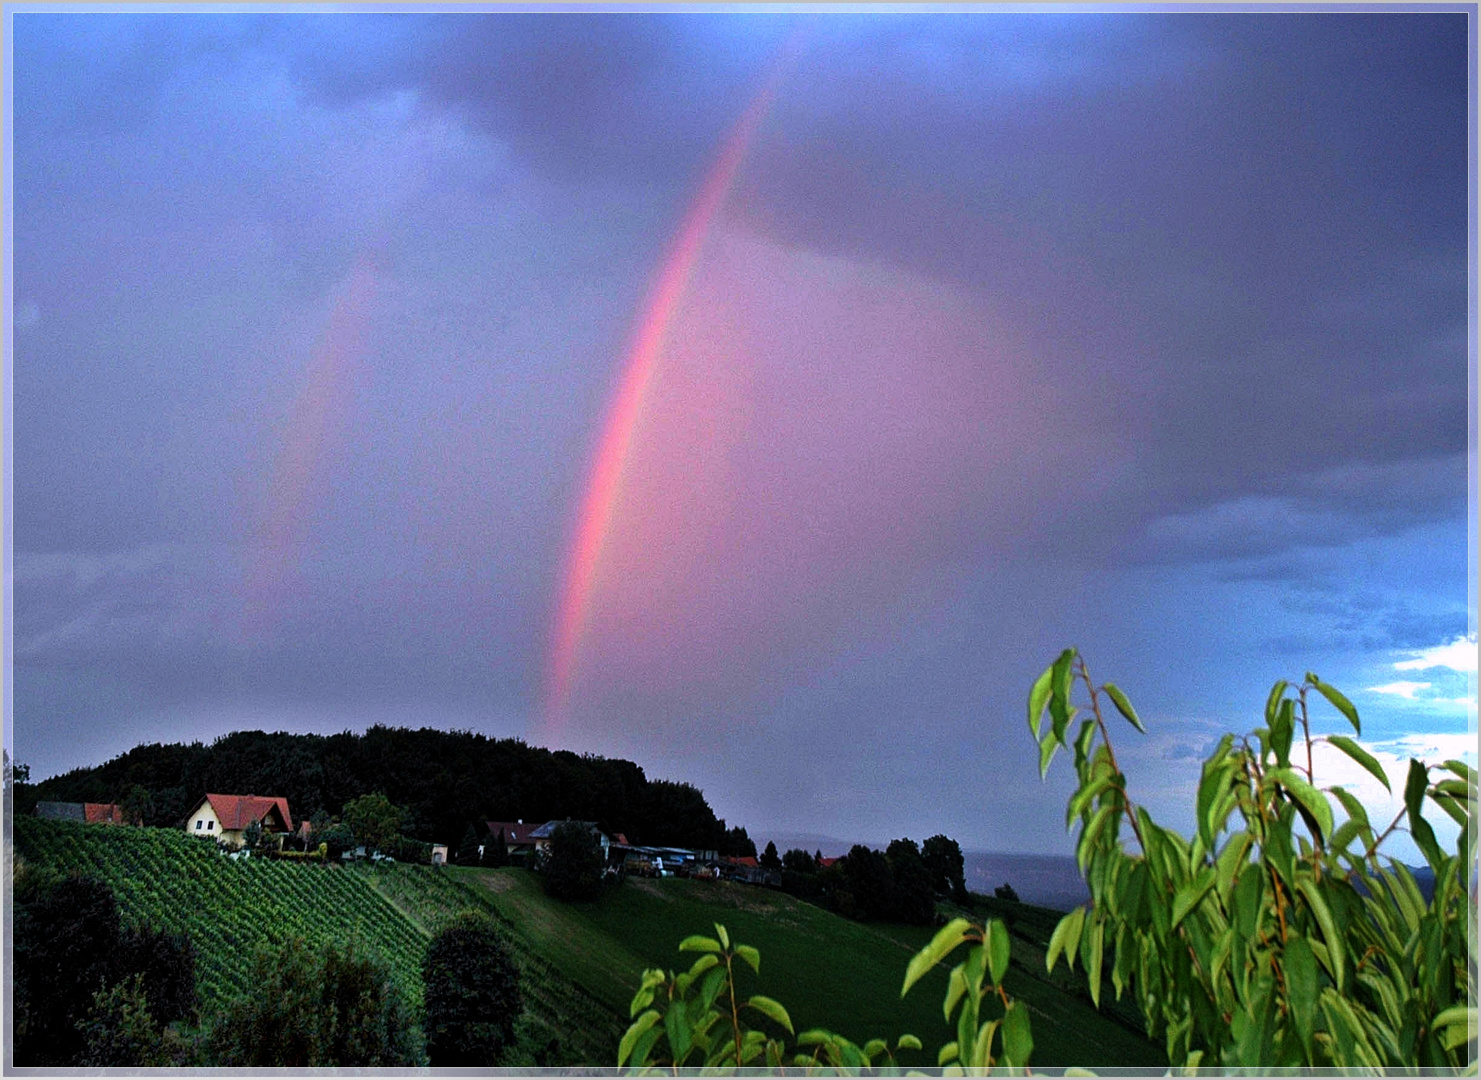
{"points": [[495, 850], [769, 858], [375, 821], [573, 864], [797, 861], [137, 805], [65, 949], [1005, 891], [737, 844], [339, 838], [868, 886], [945, 866], [467, 854], [472, 994], [914, 901]]}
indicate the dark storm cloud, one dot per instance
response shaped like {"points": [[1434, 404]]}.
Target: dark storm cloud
{"points": [[1139, 331]]}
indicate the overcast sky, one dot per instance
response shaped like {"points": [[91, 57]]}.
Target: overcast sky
{"points": [[1146, 333]]}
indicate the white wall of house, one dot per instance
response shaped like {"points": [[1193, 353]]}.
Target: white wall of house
{"points": [[204, 822]]}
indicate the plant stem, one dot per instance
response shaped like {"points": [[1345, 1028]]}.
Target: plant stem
{"points": [[1106, 739]]}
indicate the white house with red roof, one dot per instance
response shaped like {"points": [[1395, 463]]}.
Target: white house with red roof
{"points": [[226, 817]]}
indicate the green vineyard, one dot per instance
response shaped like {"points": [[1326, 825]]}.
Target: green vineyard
{"points": [[232, 908]]}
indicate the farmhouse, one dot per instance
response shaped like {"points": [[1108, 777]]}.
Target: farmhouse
{"points": [[226, 817], [518, 838], [93, 813]]}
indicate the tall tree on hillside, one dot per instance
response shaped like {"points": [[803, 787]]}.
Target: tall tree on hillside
{"points": [[769, 858], [467, 854], [914, 899], [573, 865], [495, 850], [944, 865], [738, 844], [472, 994]]}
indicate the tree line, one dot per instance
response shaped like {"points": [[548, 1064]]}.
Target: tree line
{"points": [[900, 884], [443, 780]]}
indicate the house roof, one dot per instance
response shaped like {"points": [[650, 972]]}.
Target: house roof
{"points": [[61, 811], [109, 813], [239, 811], [743, 860], [545, 831], [515, 832]]}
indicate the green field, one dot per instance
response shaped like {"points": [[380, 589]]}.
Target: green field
{"points": [[579, 963]]}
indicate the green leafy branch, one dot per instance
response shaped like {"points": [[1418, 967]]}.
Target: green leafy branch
{"points": [[1268, 939]]}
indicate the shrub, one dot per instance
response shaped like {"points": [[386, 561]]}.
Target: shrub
{"points": [[472, 994], [309, 1011]]}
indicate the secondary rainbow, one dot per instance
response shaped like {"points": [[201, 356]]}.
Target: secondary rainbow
{"points": [[605, 482]]}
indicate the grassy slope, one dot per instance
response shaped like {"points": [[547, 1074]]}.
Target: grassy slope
{"points": [[828, 971]]}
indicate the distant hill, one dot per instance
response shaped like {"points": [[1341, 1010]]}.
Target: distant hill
{"points": [[447, 779]]}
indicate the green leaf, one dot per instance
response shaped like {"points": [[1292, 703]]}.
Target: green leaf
{"points": [[772, 1009], [1459, 1024], [680, 1036], [722, 935], [1018, 1036], [751, 955], [1272, 703], [956, 986], [1047, 749], [1094, 949], [1059, 692], [1191, 895], [1038, 697], [997, 951], [1085, 847], [1282, 730], [1361, 756], [1336, 697], [947, 938], [630, 1037], [1123, 706], [1354, 808], [1462, 770], [908, 1042], [1302, 988], [698, 943], [1314, 802], [703, 964], [1419, 828], [1066, 931], [1074, 924], [946, 1053], [1331, 935]]}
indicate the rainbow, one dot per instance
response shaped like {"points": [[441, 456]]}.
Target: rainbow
{"points": [[605, 480], [317, 416]]}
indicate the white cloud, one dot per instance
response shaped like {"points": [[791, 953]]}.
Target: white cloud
{"points": [[1404, 690], [1458, 655]]}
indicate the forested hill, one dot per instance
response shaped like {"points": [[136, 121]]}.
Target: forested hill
{"points": [[446, 779]]}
